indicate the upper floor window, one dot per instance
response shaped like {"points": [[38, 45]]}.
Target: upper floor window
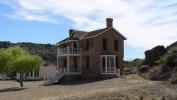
{"points": [[87, 45], [104, 44], [116, 45]]}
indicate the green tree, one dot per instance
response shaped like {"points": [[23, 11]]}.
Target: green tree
{"points": [[15, 59]]}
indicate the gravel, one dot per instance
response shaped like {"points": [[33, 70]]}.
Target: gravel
{"points": [[129, 87]]}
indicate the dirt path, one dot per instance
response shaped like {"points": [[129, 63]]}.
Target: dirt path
{"points": [[128, 88]]}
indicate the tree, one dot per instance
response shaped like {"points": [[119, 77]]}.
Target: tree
{"points": [[15, 59]]}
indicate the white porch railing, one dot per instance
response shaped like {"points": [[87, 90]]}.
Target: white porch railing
{"points": [[69, 50], [110, 70], [70, 70], [61, 72]]}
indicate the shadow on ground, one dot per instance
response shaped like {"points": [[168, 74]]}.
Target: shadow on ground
{"points": [[77, 82], [11, 89]]}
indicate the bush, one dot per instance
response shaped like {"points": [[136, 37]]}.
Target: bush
{"points": [[164, 62], [173, 79]]}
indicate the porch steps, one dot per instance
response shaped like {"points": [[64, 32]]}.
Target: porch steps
{"points": [[50, 81]]}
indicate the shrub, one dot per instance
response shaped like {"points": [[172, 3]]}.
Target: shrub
{"points": [[164, 62], [141, 97], [173, 79]]}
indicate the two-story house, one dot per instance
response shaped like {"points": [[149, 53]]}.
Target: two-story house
{"points": [[90, 55]]}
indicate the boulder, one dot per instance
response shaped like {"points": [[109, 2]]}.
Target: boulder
{"points": [[154, 54]]}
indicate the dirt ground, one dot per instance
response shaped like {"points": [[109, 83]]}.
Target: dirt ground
{"points": [[129, 87]]}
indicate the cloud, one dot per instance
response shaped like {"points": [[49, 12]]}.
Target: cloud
{"points": [[145, 23]]}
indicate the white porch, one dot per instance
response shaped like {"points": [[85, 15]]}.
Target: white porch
{"points": [[72, 64], [73, 48], [108, 65]]}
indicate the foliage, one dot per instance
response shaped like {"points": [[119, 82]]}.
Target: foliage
{"points": [[15, 59], [164, 62], [171, 47], [136, 62], [45, 51], [141, 97]]}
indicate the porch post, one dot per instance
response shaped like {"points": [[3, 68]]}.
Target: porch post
{"points": [[72, 46], [57, 65], [68, 64], [68, 51], [106, 63], [114, 64], [77, 47], [109, 62], [33, 74], [29, 74]]}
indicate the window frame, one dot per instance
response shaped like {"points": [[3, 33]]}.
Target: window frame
{"points": [[105, 44]]}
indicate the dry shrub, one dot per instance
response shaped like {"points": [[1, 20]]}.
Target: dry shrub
{"points": [[154, 72], [173, 78]]}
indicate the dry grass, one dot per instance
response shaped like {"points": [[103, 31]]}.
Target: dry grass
{"points": [[128, 88]]}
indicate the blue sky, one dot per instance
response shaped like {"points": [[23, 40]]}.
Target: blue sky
{"points": [[145, 23]]}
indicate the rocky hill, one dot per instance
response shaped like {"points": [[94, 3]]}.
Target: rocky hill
{"points": [[45, 51]]}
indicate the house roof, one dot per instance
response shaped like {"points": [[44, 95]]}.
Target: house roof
{"points": [[94, 33], [83, 34], [80, 33]]}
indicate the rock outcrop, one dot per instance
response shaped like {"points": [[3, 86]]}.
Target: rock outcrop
{"points": [[154, 54]]}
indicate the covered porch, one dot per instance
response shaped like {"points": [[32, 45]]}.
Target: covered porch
{"points": [[70, 64], [108, 65]]}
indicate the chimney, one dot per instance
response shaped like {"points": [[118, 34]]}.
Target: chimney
{"points": [[47, 62], [109, 22], [70, 31]]}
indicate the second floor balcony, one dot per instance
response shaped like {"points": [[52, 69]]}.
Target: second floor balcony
{"points": [[69, 50]]}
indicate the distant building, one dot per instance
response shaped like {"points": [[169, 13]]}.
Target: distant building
{"points": [[90, 55], [46, 70]]}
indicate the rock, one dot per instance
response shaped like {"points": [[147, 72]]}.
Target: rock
{"points": [[143, 68], [154, 54]]}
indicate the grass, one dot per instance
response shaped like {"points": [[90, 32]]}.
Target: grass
{"points": [[141, 97]]}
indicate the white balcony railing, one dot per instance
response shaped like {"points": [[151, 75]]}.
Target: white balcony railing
{"points": [[70, 70], [69, 50], [110, 70]]}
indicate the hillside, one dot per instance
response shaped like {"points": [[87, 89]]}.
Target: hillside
{"points": [[45, 51], [171, 47]]}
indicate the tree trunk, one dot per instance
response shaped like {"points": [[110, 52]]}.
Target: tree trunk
{"points": [[21, 84]]}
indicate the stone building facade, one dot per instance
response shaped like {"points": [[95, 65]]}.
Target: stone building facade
{"points": [[90, 55]]}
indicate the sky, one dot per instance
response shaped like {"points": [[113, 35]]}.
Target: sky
{"points": [[145, 23]]}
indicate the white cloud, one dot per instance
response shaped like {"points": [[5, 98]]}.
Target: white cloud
{"points": [[145, 23]]}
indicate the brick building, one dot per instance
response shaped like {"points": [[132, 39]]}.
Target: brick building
{"points": [[90, 55]]}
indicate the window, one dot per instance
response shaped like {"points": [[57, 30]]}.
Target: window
{"points": [[87, 45], [117, 62], [104, 44], [87, 62], [116, 45]]}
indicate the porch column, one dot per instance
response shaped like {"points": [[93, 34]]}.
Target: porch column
{"points": [[77, 47], [33, 74], [72, 46], [29, 74], [106, 63], [109, 62], [114, 63], [68, 51], [68, 64], [57, 64]]}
